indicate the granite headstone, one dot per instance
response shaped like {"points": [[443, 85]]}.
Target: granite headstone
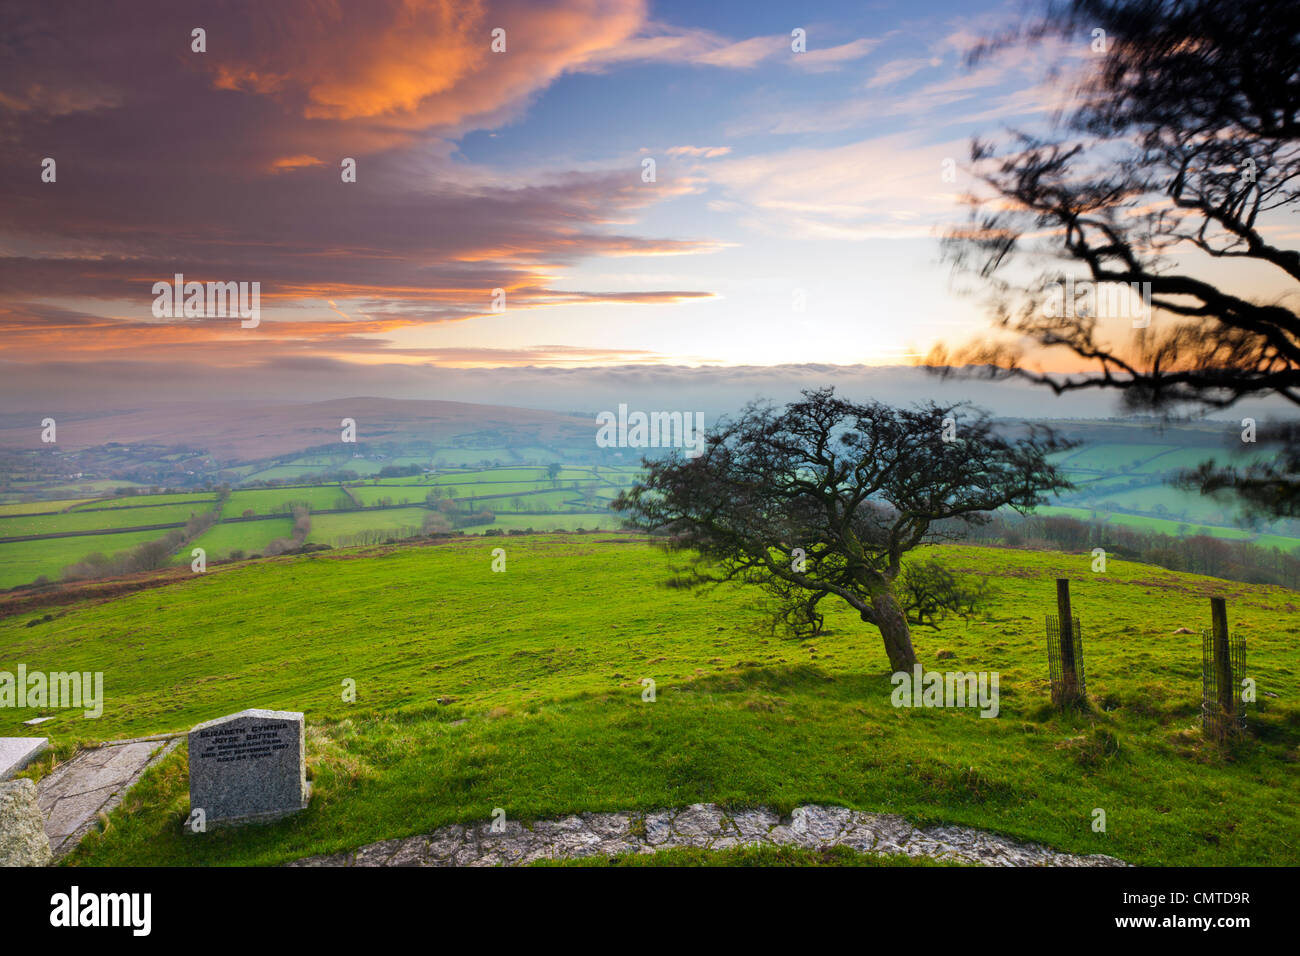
{"points": [[249, 766]]}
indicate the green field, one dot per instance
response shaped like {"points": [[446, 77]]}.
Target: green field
{"points": [[251, 537], [96, 520], [37, 507], [522, 690], [373, 495], [402, 481], [1177, 458], [539, 501], [1172, 527], [1112, 457], [22, 562], [1152, 458], [287, 472], [327, 529], [88, 488], [266, 501], [565, 522], [451, 457], [537, 453], [1177, 504], [202, 500], [472, 488], [1089, 482], [513, 474]]}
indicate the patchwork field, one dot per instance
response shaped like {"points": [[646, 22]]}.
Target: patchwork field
{"points": [[22, 562], [251, 537], [1118, 482], [328, 529], [1166, 525], [524, 497], [562, 522], [281, 500], [108, 518], [141, 501], [523, 690], [372, 496], [41, 507], [1130, 484]]}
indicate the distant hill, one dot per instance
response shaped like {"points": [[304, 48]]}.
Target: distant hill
{"points": [[245, 431]]}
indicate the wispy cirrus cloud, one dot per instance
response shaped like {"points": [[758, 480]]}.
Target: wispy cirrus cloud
{"points": [[822, 60], [895, 71], [886, 187]]}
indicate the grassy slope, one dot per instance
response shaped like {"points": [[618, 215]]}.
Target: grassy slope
{"points": [[543, 663]]}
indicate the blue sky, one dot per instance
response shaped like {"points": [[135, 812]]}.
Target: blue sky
{"points": [[827, 184]]}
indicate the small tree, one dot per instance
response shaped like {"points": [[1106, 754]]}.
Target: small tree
{"points": [[435, 523], [853, 487]]}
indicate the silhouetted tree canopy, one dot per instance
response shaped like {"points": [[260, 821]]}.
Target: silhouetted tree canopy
{"points": [[853, 487], [1179, 155]]}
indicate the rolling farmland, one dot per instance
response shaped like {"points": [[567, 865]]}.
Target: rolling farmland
{"points": [[62, 532], [1122, 478]]}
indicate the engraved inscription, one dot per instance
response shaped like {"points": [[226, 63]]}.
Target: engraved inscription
{"points": [[225, 745]]}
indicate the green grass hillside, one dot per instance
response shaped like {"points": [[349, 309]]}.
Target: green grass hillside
{"points": [[522, 690]]}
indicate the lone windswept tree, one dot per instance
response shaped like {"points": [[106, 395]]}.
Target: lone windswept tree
{"points": [[824, 499]]}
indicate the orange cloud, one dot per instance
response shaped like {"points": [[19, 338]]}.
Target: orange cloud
{"points": [[288, 163], [418, 64], [700, 152]]}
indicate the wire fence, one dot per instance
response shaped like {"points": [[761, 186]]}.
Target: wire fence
{"points": [[1223, 714], [1068, 682]]}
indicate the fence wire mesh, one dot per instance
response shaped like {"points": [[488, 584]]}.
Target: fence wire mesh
{"points": [[1067, 684], [1222, 711]]}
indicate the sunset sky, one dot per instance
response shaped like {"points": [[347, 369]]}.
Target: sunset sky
{"points": [[779, 176]]}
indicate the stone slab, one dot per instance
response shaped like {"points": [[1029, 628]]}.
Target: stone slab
{"points": [[17, 752], [93, 782]]}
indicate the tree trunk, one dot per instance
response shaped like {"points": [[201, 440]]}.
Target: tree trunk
{"points": [[887, 615]]}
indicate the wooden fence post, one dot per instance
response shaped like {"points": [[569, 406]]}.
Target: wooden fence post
{"points": [[1226, 686], [1069, 674]]}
